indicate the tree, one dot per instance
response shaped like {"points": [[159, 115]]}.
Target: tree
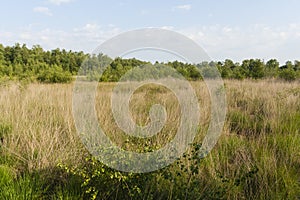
{"points": [[296, 65], [20, 62], [288, 74], [55, 74], [288, 64], [2, 58], [272, 67], [256, 68]]}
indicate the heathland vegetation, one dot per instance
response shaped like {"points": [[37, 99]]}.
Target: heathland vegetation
{"points": [[42, 157]]}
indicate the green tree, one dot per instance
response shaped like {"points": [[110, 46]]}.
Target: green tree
{"points": [[296, 65], [256, 68], [271, 69], [287, 72], [54, 74]]}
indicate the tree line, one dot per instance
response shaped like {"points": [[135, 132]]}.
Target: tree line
{"points": [[19, 62], [35, 64]]}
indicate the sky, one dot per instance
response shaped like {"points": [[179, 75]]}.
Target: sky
{"points": [[225, 29]]}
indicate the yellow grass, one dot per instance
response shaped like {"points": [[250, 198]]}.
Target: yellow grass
{"points": [[43, 132]]}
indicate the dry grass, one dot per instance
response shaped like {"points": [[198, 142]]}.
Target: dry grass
{"points": [[140, 104], [262, 132], [43, 132]]}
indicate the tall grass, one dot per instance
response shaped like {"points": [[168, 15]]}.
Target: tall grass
{"points": [[257, 156], [42, 131]]}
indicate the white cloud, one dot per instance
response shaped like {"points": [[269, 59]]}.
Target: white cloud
{"points": [[85, 38], [220, 42], [167, 27], [25, 36], [255, 41], [59, 2], [5, 34], [90, 27], [183, 7], [43, 10]]}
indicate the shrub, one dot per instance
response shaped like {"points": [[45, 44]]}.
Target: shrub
{"points": [[54, 74], [102, 182], [288, 74]]}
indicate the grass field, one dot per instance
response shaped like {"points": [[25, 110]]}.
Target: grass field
{"points": [[256, 157]]}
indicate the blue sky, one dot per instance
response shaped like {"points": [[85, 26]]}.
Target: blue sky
{"points": [[225, 29]]}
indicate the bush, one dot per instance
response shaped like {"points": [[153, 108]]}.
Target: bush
{"points": [[288, 74], [102, 182], [55, 74]]}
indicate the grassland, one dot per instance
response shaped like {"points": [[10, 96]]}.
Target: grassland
{"points": [[256, 157]]}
